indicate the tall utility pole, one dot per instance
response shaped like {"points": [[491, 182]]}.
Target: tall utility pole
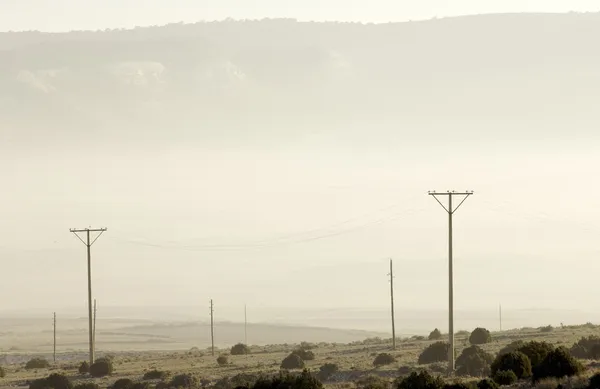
{"points": [[54, 330], [500, 312], [212, 331], [245, 326], [450, 210], [88, 243], [94, 332], [392, 303]]}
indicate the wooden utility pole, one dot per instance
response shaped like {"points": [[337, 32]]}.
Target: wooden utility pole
{"points": [[212, 331], [94, 333], [500, 312], [88, 243], [392, 304], [245, 326], [54, 330]]}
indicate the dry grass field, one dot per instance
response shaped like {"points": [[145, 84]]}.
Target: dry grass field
{"points": [[355, 360]]}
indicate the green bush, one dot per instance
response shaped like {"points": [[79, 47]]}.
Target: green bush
{"points": [[373, 382], [87, 385], [183, 381], [558, 363], [122, 383], [583, 348], [546, 329], [84, 368], [421, 380], [480, 336], [513, 346], [222, 360], [474, 362], [436, 352], [58, 381], [305, 354], [515, 361], [102, 367], [487, 383], [383, 359], [37, 363], [240, 349], [435, 335], [536, 351], [155, 375], [505, 377], [328, 370], [292, 361], [2, 372], [305, 380]]}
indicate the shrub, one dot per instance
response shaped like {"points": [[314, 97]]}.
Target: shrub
{"points": [[40, 383], [222, 360], [474, 361], [536, 351], [123, 383], [505, 377], [84, 368], [292, 361], [329, 369], [457, 385], [240, 349], [58, 381], [436, 352], [141, 385], [2, 372], [594, 381], [305, 380], [421, 380], [509, 348], [488, 384], [435, 335], [305, 354], [155, 375], [558, 363], [37, 363], [383, 359], [516, 361], [583, 348], [87, 385], [547, 328], [480, 336], [373, 382], [101, 368], [183, 381]]}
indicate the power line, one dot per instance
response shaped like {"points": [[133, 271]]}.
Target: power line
{"points": [[450, 210], [88, 243]]}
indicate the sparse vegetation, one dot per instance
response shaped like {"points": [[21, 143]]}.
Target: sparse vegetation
{"points": [[102, 367], [435, 335], [383, 359], [480, 336], [292, 361], [515, 361], [37, 363], [240, 349], [436, 352]]}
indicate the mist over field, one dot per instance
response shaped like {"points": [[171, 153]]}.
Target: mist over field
{"points": [[280, 164]]}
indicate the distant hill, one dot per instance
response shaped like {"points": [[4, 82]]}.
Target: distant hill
{"points": [[537, 73]]}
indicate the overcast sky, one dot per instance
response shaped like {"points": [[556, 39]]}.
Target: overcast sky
{"points": [[61, 15]]}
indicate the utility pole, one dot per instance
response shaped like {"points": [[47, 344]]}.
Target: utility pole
{"points": [[391, 274], [54, 330], [88, 243], [94, 333], [500, 309], [212, 331], [450, 210], [245, 326]]}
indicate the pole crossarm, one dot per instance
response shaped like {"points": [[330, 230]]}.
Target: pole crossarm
{"points": [[466, 194], [75, 231]]}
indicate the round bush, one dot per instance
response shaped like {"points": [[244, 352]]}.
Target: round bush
{"points": [[435, 335], [222, 360], [558, 363], [474, 362], [122, 383], [102, 367], [58, 381], [383, 359], [84, 368], [421, 380], [240, 349], [505, 377], [436, 352], [292, 361], [2, 372], [480, 336], [155, 375], [536, 351], [183, 381], [328, 370], [583, 348], [515, 361], [305, 354], [487, 383], [37, 363]]}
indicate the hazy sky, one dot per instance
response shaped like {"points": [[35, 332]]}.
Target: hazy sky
{"points": [[61, 15]]}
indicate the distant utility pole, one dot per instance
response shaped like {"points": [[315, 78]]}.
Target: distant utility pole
{"points": [[245, 326], [95, 314], [88, 243], [500, 311], [392, 303], [54, 330], [212, 331], [450, 210]]}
